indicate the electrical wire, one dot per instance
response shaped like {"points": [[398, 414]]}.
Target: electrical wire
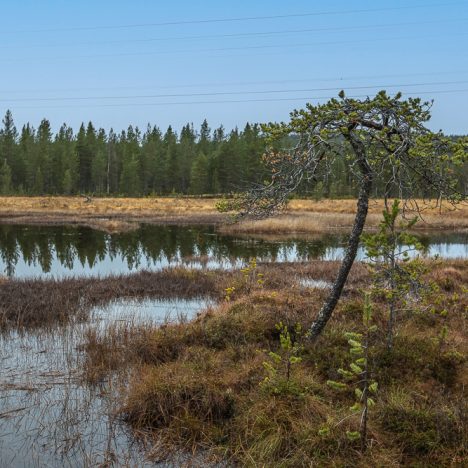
{"points": [[238, 35], [303, 98], [232, 49], [231, 93], [238, 19], [249, 83]]}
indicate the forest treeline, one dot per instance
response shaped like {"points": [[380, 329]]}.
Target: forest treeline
{"points": [[141, 163]]}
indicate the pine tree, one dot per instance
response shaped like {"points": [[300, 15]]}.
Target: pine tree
{"points": [[170, 161], [5, 178], [8, 149], [85, 144], [397, 277], [204, 142], [199, 183], [27, 149], [153, 160], [186, 156], [359, 374], [45, 184], [67, 183]]}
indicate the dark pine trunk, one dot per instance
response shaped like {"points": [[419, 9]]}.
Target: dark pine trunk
{"points": [[353, 243]]}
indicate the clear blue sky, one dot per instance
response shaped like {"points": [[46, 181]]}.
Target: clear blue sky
{"points": [[90, 60]]}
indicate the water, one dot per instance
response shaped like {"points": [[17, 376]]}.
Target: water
{"points": [[48, 416], [59, 251]]}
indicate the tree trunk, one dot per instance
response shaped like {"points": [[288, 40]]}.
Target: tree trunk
{"points": [[353, 243]]}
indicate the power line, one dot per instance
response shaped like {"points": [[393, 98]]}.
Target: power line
{"points": [[240, 48], [303, 98], [232, 93], [248, 83], [237, 19], [240, 35]]}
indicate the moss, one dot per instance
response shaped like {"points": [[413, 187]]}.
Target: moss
{"points": [[423, 430], [408, 359], [165, 394], [445, 369], [198, 387]]}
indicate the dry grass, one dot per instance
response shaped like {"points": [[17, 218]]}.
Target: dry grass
{"points": [[296, 223], [108, 214], [307, 216], [196, 385], [302, 216], [31, 303]]}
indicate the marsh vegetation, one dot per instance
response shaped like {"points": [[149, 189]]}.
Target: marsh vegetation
{"points": [[342, 351], [156, 365]]}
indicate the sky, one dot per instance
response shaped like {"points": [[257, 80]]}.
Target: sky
{"points": [[136, 62]]}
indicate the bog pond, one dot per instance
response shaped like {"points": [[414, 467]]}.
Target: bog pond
{"points": [[58, 251], [48, 415]]}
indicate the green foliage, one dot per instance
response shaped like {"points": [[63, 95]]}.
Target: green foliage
{"points": [[130, 163], [358, 375], [279, 365], [143, 163], [396, 276], [5, 178], [382, 141]]}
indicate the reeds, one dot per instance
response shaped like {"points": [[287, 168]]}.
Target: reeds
{"points": [[33, 303], [301, 216], [196, 386]]}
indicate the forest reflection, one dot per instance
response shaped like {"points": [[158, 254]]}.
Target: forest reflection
{"points": [[56, 250]]}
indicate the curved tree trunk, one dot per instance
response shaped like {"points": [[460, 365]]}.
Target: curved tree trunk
{"points": [[353, 243]]}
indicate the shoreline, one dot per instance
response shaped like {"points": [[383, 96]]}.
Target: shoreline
{"points": [[301, 217]]}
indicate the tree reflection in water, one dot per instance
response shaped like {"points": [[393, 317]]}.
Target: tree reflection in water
{"points": [[61, 250]]}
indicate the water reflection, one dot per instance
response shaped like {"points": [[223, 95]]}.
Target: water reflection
{"points": [[61, 250], [48, 415]]}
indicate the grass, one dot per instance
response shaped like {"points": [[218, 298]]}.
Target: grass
{"points": [[35, 303], [120, 214], [108, 214], [307, 216], [197, 386]]}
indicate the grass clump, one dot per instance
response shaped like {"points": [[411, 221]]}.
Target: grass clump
{"points": [[242, 384], [424, 428]]}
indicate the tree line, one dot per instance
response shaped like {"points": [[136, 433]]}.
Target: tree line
{"points": [[141, 163]]}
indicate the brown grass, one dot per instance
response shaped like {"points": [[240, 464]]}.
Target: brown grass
{"points": [[196, 385], [39, 303], [307, 216], [108, 214], [302, 216], [44, 302]]}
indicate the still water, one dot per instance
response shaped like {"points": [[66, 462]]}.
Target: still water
{"points": [[27, 251], [49, 416]]}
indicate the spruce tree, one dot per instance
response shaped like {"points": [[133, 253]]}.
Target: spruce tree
{"points": [[5, 178], [8, 149]]}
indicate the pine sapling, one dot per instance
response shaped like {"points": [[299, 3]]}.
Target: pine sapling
{"points": [[358, 376], [396, 275], [280, 363]]}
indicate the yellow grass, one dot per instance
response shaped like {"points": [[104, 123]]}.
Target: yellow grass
{"points": [[105, 206], [308, 216], [108, 214], [301, 216]]}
